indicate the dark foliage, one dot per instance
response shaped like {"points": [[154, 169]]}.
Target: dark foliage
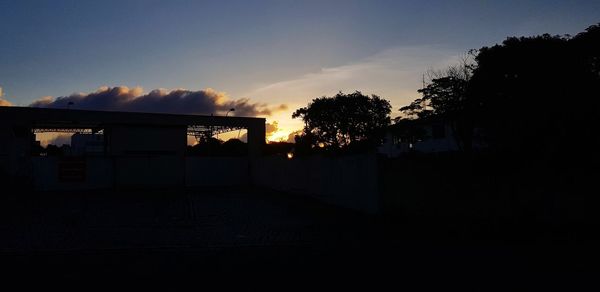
{"points": [[53, 150], [306, 144], [216, 147], [443, 96], [539, 94], [335, 123], [234, 147], [278, 148], [444, 99]]}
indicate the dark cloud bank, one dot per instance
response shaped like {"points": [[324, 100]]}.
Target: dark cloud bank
{"points": [[179, 101]]}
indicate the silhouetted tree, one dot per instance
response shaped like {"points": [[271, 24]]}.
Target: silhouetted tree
{"points": [[338, 121], [216, 147], [278, 148], [539, 94], [531, 95], [445, 93], [53, 150], [234, 147], [417, 109], [305, 144], [206, 147], [445, 97]]}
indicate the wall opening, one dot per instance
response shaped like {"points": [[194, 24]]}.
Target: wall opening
{"points": [[68, 142], [217, 141]]}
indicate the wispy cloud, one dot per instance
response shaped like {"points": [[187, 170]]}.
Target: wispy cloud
{"points": [[394, 73], [180, 101]]}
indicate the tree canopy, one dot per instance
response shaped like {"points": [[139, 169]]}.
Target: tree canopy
{"points": [[443, 96], [534, 94], [539, 92], [337, 122]]}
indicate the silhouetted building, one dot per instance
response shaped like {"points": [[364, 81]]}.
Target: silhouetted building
{"points": [[87, 144], [134, 149], [423, 135]]}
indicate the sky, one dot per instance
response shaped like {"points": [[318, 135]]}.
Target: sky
{"points": [[266, 57]]}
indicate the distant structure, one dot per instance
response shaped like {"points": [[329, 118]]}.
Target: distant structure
{"points": [[423, 135], [111, 149]]}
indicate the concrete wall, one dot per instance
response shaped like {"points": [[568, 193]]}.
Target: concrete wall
{"points": [[15, 146], [256, 137], [105, 172], [145, 172], [150, 171], [5, 144], [350, 182], [98, 174], [139, 140], [216, 171]]}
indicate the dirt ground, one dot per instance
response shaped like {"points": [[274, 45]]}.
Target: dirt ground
{"points": [[218, 234]]}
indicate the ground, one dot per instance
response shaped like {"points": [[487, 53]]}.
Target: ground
{"points": [[219, 233]]}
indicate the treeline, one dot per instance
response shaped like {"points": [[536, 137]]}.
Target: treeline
{"points": [[234, 148], [217, 147], [534, 97], [537, 96]]}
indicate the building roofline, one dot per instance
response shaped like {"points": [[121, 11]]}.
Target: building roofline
{"points": [[40, 117]]}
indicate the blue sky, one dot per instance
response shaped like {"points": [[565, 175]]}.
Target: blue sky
{"points": [[269, 51]]}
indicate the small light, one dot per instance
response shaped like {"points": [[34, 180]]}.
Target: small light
{"points": [[321, 144], [290, 155]]}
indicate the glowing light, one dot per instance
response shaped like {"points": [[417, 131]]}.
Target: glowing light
{"points": [[290, 155], [321, 144]]}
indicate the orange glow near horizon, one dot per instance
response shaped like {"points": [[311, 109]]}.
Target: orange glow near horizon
{"points": [[281, 135]]}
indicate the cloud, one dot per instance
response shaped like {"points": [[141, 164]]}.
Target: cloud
{"points": [[292, 136], [394, 74], [60, 139], [57, 139], [4, 102], [178, 101], [271, 128]]}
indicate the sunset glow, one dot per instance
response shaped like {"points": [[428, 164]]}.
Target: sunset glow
{"points": [[280, 136], [261, 58], [397, 143]]}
